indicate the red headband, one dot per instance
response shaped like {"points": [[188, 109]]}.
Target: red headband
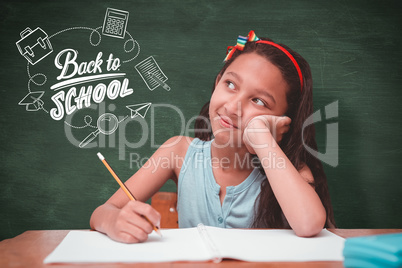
{"points": [[241, 41]]}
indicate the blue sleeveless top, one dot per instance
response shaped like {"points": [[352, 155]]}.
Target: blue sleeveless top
{"points": [[198, 193]]}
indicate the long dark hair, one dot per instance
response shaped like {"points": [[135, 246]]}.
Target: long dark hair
{"points": [[268, 213]]}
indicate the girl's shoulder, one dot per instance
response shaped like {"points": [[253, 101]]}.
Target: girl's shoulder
{"points": [[177, 145], [175, 149]]}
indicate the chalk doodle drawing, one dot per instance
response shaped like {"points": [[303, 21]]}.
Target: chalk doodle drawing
{"points": [[139, 109], [115, 23], [107, 123], [33, 101], [87, 121], [69, 93], [152, 74], [34, 45]]}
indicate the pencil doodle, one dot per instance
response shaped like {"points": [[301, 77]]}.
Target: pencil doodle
{"points": [[152, 74]]}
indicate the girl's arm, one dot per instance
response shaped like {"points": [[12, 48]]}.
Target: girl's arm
{"points": [[123, 220], [300, 203]]}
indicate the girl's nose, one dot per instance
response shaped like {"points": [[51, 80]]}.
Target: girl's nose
{"points": [[233, 107]]}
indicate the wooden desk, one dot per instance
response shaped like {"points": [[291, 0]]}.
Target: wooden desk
{"points": [[30, 249]]}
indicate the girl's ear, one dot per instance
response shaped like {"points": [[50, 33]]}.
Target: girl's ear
{"points": [[218, 78]]}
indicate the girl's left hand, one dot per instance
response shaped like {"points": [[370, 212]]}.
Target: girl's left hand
{"points": [[261, 130]]}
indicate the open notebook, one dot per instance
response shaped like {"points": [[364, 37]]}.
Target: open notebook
{"points": [[202, 243]]}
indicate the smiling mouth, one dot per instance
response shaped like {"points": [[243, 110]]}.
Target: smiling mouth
{"points": [[226, 122]]}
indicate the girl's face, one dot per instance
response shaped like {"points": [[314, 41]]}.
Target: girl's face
{"points": [[250, 86]]}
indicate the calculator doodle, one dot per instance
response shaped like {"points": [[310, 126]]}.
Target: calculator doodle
{"points": [[115, 23]]}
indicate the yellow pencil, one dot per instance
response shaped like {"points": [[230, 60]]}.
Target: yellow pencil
{"points": [[125, 189]]}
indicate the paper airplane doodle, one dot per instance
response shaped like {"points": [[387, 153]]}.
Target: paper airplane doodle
{"points": [[139, 109], [108, 123], [33, 102]]}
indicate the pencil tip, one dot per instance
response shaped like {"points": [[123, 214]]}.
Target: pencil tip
{"points": [[158, 232]]}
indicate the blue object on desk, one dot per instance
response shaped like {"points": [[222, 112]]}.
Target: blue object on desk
{"points": [[373, 251]]}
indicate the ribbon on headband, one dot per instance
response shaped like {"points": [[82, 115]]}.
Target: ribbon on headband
{"points": [[251, 37], [241, 42]]}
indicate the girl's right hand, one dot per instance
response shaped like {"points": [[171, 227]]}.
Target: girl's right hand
{"points": [[128, 224], [262, 129]]}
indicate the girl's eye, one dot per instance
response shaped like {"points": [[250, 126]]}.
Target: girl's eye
{"points": [[259, 102], [230, 85]]}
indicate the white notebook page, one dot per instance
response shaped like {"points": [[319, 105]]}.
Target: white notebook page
{"points": [[276, 245], [91, 246], [187, 244]]}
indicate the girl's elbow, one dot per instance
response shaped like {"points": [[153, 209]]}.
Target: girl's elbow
{"points": [[307, 231], [310, 227]]}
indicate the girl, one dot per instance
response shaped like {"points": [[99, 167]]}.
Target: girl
{"points": [[247, 166]]}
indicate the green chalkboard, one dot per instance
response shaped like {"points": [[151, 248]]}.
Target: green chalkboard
{"points": [[49, 181]]}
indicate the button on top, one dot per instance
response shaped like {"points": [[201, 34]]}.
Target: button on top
{"points": [[220, 219]]}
